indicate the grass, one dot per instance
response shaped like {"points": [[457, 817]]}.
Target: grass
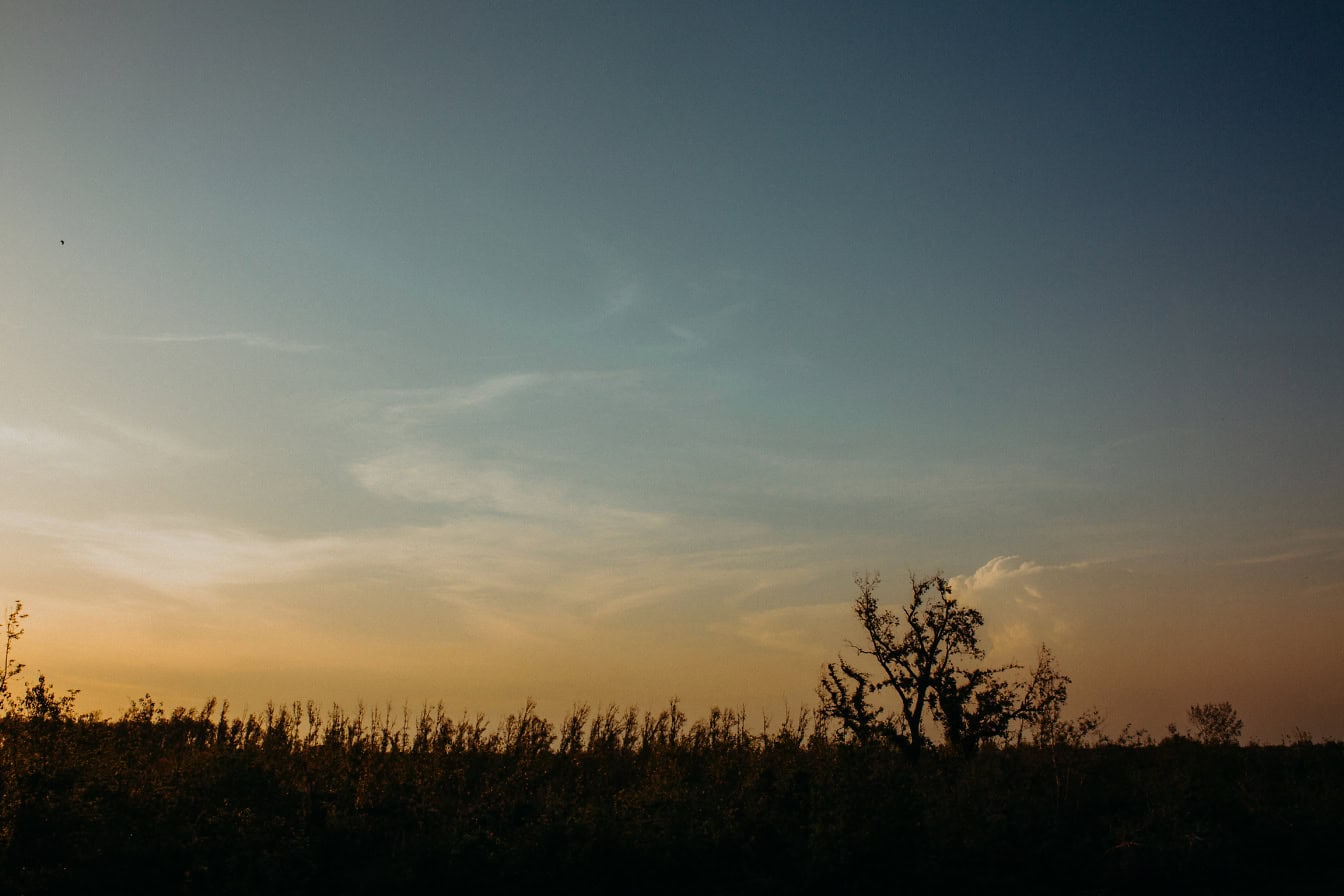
{"points": [[298, 799]]}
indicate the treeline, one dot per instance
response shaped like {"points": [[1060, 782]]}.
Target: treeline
{"points": [[299, 800]]}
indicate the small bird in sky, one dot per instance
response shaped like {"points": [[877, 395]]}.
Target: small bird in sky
{"points": [[62, 242]]}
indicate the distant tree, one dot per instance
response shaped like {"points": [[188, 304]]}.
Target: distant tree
{"points": [[1215, 723], [35, 701], [11, 668], [41, 702], [1038, 713], [925, 656]]}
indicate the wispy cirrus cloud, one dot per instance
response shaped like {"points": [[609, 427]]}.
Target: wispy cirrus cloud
{"points": [[595, 567], [687, 340], [699, 332], [54, 449], [156, 442], [411, 407], [260, 341], [795, 629], [423, 475], [817, 476], [114, 446], [1297, 547], [620, 300], [170, 553]]}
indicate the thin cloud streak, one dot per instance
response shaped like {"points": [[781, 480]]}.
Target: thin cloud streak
{"points": [[698, 332], [594, 564], [1305, 545], [792, 630], [54, 449], [156, 442], [403, 411], [121, 447], [173, 553], [250, 340], [621, 299], [829, 479], [688, 340], [418, 405], [423, 476]]}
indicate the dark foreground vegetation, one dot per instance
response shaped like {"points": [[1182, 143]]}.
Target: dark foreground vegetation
{"points": [[290, 801], [1011, 797]]}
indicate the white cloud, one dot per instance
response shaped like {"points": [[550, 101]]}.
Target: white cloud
{"points": [[1026, 603], [995, 573], [1010, 568]]}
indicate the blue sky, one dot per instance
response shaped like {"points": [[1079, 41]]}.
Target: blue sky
{"points": [[585, 351]]}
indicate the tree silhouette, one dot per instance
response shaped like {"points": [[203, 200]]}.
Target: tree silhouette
{"points": [[925, 656], [11, 668], [1215, 723]]}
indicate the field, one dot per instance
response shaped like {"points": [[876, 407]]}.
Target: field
{"points": [[300, 800]]}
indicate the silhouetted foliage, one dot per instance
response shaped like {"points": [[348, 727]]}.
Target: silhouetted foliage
{"points": [[1215, 723], [1038, 713], [294, 799], [41, 703], [11, 668], [299, 800], [928, 667]]}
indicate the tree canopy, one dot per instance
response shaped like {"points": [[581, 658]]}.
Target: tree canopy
{"points": [[927, 656]]}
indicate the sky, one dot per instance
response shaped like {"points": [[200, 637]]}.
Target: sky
{"points": [[480, 352]]}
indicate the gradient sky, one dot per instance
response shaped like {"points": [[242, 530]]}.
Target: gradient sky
{"points": [[586, 351]]}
